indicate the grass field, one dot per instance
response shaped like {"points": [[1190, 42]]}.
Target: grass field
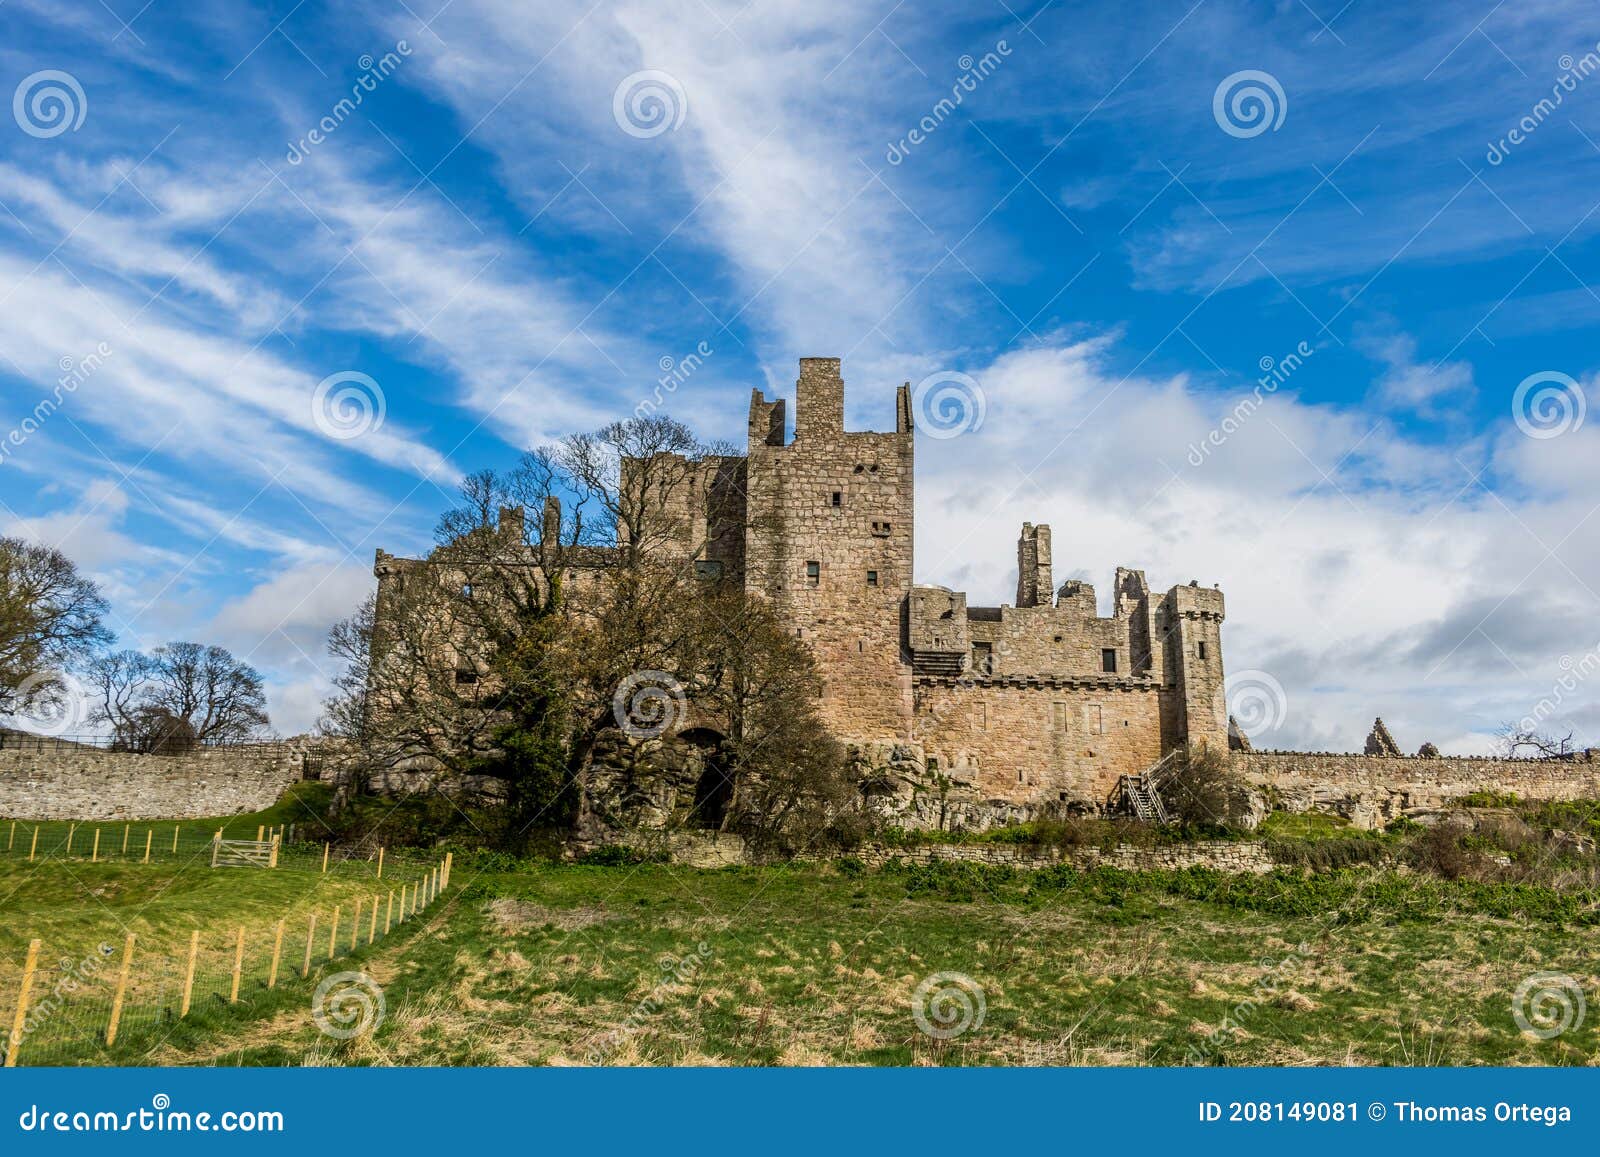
{"points": [[817, 965], [83, 911], [1359, 962]]}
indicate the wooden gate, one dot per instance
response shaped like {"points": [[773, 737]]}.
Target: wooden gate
{"points": [[244, 853]]}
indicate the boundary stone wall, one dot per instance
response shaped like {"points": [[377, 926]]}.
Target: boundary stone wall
{"points": [[714, 850], [88, 783], [1370, 790]]}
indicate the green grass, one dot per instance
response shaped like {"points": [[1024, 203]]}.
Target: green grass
{"points": [[630, 963], [808, 965], [82, 912]]}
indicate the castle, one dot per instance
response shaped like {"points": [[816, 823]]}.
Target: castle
{"points": [[1037, 703]]}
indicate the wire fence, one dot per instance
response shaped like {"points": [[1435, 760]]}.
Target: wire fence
{"points": [[152, 842], [73, 1004]]}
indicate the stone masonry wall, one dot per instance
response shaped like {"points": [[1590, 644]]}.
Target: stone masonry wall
{"points": [[1040, 740], [1370, 790], [90, 784], [711, 850]]}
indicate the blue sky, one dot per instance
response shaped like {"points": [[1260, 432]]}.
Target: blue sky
{"points": [[1095, 234]]}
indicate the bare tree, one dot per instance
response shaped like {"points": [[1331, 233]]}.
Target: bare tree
{"points": [[221, 698], [50, 619], [120, 679], [1518, 742]]}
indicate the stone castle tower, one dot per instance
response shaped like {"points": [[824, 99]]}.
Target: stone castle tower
{"points": [[1042, 702], [828, 540]]}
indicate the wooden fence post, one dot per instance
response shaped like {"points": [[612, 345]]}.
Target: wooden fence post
{"points": [[216, 848], [33, 847], [324, 858], [125, 828], [174, 839], [311, 932], [188, 973], [355, 925], [372, 929], [94, 853], [277, 951], [449, 862], [20, 1020], [122, 991], [70, 829], [238, 966], [380, 863], [277, 842], [402, 903], [13, 837], [261, 832], [333, 933], [149, 835], [388, 915]]}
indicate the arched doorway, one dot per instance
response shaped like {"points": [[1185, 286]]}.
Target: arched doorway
{"points": [[713, 791]]}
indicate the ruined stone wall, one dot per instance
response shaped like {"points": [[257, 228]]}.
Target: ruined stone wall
{"points": [[1039, 740], [842, 502], [1067, 638], [86, 783], [1371, 790], [713, 850]]}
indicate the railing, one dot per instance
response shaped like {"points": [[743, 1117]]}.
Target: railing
{"points": [[25, 741]]}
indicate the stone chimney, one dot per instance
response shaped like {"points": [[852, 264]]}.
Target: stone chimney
{"points": [[1034, 581]]}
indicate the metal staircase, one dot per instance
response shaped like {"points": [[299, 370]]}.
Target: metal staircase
{"points": [[1141, 793]]}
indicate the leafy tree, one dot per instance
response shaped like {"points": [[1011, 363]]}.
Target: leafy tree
{"points": [[50, 619]]}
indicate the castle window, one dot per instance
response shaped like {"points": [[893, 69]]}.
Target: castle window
{"points": [[838, 498], [707, 568], [859, 468], [872, 578], [1108, 660], [813, 573], [466, 590], [873, 468], [881, 529], [1200, 649], [983, 658], [1019, 776], [465, 677]]}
